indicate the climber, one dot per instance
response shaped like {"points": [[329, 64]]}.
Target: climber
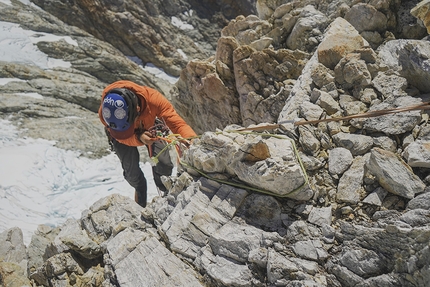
{"points": [[128, 112]]}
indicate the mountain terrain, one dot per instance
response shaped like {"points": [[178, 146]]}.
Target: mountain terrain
{"points": [[312, 162]]}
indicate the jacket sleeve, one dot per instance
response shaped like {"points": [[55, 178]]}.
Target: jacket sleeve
{"points": [[166, 111]]}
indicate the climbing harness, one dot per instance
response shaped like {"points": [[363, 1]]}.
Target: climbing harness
{"points": [[159, 129], [172, 140]]}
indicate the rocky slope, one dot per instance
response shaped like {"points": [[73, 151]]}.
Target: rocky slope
{"points": [[106, 41], [319, 198]]}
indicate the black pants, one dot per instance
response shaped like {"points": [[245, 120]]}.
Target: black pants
{"points": [[130, 158]]}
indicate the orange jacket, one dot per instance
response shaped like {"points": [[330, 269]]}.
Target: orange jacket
{"points": [[154, 105]]}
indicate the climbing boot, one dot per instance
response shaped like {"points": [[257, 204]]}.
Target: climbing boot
{"points": [[139, 198]]}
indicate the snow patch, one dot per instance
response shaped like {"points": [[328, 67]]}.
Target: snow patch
{"points": [[180, 24], [18, 46], [156, 71], [42, 184]]}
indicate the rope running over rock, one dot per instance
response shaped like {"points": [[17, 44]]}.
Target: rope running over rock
{"points": [[422, 106]]}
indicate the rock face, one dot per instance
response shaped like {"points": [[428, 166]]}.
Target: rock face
{"points": [[165, 33], [284, 187], [270, 164]]}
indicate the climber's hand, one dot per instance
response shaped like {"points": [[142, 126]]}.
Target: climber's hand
{"points": [[187, 143], [146, 138]]}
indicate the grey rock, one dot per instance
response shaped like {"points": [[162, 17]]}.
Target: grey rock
{"points": [[363, 262], [235, 241], [40, 246], [417, 154], [385, 142], [352, 71], [344, 275], [270, 164], [376, 197], [299, 94], [368, 95], [382, 280], [157, 265], [109, 216], [397, 239], [259, 257], [328, 103], [281, 169], [199, 218], [60, 264], [365, 17], [351, 105], [393, 174], [320, 216], [223, 271], [310, 249], [13, 255], [350, 184], [145, 43], [278, 267], [307, 30], [73, 238], [12, 248], [356, 144], [421, 201], [262, 211], [339, 160], [261, 43], [410, 58], [311, 111], [390, 85], [394, 124], [311, 163], [416, 217], [300, 230], [329, 233], [308, 139]]}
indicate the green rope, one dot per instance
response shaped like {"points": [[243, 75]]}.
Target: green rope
{"points": [[244, 186], [155, 158], [296, 152]]}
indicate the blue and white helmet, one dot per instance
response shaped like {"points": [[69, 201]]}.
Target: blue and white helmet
{"points": [[115, 112]]}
